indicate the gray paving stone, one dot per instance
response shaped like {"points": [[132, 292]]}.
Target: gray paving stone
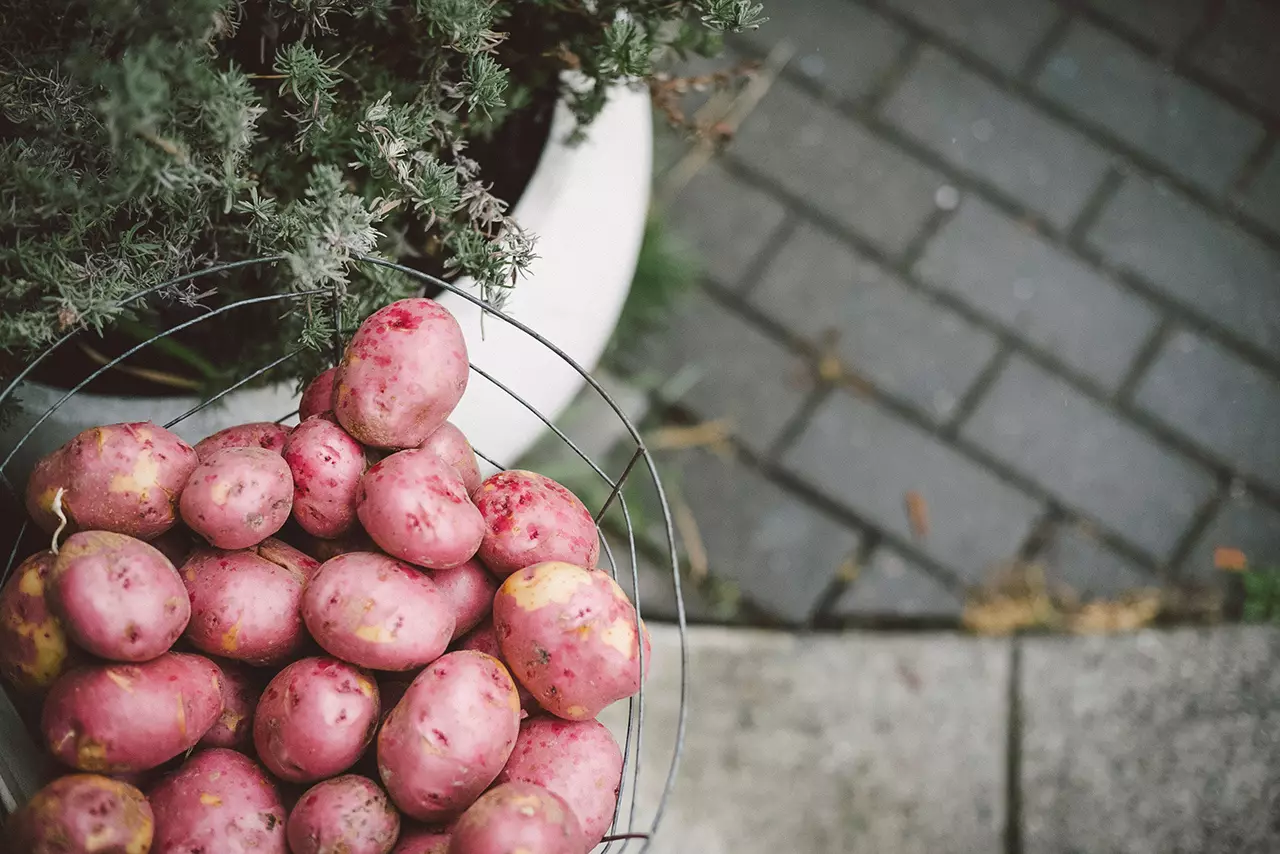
{"points": [[837, 166], [1241, 51], [868, 461], [734, 371], [815, 745], [1262, 201], [781, 553], [1245, 524], [1189, 130], [843, 47], [824, 291], [1088, 567], [1164, 23], [1003, 32], [1046, 296], [727, 222], [1090, 458], [1226, 405], [891, 585], [1154, 743], [983, 130], [1213, 269]]}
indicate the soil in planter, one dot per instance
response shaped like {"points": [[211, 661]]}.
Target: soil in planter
{"points": [[229, 343]]}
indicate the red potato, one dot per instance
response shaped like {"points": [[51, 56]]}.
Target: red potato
{"points": [[218, 802], [355, 540], [83, 813], [118, 597], [403, 372], [34, 650], [517, 817], [450, 444], [260, 434], [449, 736], [415, 507], [131, 717], [284, 555], [345, 815], [317, 397], [326, 465], [377, 612], [244, 607], [577, 760], [570, 636], [468, 588], [315, 719], [484, 639], [531, 519], [238, 497], [240, 693], [422, 840], [122, 477]]}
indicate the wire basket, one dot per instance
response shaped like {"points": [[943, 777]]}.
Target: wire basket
{"points": [[24, 767]]}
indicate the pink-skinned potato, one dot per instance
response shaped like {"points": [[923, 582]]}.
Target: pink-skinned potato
{"points": [[326, 465], [469, 589], [118, 597], [517, 817], [377, 612], [449, 736], [317, 397], [422, 840], [240, 692], [258, 434], [354, 540], [131, 717], [315, 719], [450, 444], [345, 815], [403, 372], [244, 607], [83, 813], [569, 634], [124, 478], [238, 497], [34, 648], [416, 508], [284, 555], [577, 760], [529, 518], [218, 802], [484, 639]]}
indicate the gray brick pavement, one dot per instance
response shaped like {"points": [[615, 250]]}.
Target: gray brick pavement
{"points": [[1105, 81], [1244, 524], [1001, 32], [1262, 200], [1241, 51], [892, 584], [827, 293], [1167, 24], [1074, 557], [981, 129]]}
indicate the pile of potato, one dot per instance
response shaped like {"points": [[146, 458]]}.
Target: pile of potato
{"points": [[330, 638]]}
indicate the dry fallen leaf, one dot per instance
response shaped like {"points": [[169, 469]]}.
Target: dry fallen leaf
{"points": [[1229, 559], [918, 515], [708, 434]]}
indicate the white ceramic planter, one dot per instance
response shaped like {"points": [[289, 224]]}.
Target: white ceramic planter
{"points": [[587, 205]]}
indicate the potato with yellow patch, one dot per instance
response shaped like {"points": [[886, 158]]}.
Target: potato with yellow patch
{"points": [[219, 802], [315, 719], [450, 444], [244, 607], [403, 372], [240, 692], [577, 760], [118, 597], [131, 717], [348, 814], [238, 497], [376, 612], [569, 635], [83, 813], [34, 650], [529, 518], [258, 434], [124, 478], [449, 736], [326, 465], [484, 639], [517, 817]]}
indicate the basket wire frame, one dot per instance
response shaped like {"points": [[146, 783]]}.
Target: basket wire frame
{"points": [[19, 783]]}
